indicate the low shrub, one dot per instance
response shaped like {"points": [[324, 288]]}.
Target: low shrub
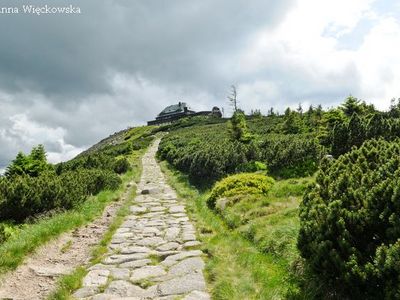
{"points": [[239, 184], [291, 155], [121, 165], [24, 196], [7, 231], [350, 224], [252, 166], [206, 153]]}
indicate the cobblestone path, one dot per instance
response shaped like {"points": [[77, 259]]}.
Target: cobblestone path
{"points": [[153, 254]]}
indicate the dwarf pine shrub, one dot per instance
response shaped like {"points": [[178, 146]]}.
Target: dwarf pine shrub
{"points": [[350, 223]]}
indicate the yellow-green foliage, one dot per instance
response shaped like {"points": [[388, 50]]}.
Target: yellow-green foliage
{"points": [[240, 184]]}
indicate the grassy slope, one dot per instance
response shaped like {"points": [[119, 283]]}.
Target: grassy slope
{"points": [[253, 259], [30, 236]]}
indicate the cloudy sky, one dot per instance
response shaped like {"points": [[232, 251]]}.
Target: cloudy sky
{"points": [[67, 81]]}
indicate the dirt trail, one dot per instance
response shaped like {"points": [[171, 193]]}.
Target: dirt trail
{"points": [[37, 276]]}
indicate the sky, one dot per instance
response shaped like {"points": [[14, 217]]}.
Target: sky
{"points": [[70, 80]]}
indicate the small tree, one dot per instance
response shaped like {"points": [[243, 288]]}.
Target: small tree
{"points": [[300, 109], [271, 112], [292, 122], [17, 166], [32, 164], [394, 110], [238, 127]]}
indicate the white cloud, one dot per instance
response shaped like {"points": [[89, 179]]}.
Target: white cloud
{"points": [[23, 134], [304, 58], [378, 60]]}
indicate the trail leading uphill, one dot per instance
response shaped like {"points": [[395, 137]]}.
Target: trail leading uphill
{"points": [[151, 256]]}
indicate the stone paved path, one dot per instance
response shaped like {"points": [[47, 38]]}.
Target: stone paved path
{"points": [[153, 255]]}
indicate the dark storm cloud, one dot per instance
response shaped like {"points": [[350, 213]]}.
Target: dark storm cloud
{"points": [[70, 80], [170, 42], [57, 72]]}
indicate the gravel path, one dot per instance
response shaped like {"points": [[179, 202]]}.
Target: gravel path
{"points": [[153, 254]]}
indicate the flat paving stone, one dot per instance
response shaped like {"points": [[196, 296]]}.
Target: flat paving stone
{"points": [[168, 246], [120, 273], [135, 264], [187, 266], [135, 249], [146, 272], [177, 209], [120, 258], [188, 237], [182, 285], [172, 233], [96, 278], [173, 259], [150, 241], [138, 209], [124, 288], [191, 244], [157, 208], [197, 295], [85, 292]]}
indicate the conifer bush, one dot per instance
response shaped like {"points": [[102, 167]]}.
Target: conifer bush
{"points": [[350, 222], [121, 165], [291, 155]]}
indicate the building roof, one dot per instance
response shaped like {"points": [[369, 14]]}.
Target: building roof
{"points": [[176, 108]]}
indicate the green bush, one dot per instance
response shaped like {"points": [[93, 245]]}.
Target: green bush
{"points": [[7, 230], [121, 166], [291, 155], [240, 184], [208, 153], [97, 180], [252, 166], [350, 222], [205, 153], [88, 161], [24, 196]]}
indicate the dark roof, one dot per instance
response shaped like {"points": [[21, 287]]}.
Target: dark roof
{"points": [[176, 108]]}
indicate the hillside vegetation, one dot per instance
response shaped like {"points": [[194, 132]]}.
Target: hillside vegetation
{"points": [[339, 165], [39, 200]]}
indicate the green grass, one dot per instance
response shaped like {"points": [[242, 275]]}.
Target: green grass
{"points": [[251, 246], [68, 283]]}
